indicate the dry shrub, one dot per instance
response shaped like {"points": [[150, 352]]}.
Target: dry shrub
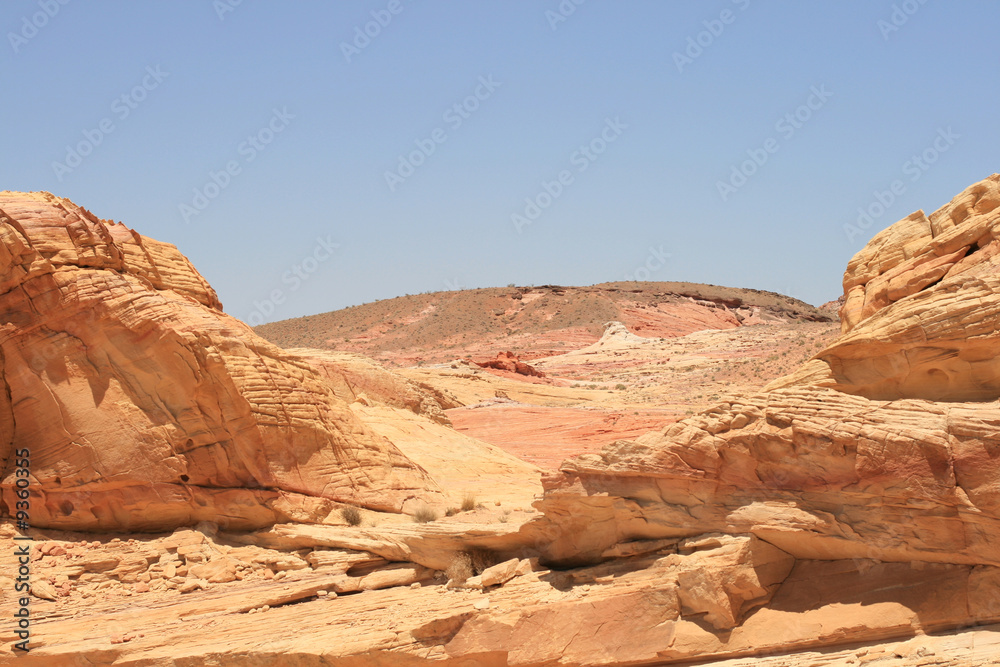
{"points": [[481, 559], [352, 515], [425, 515], [460, 568], [469, 502]]}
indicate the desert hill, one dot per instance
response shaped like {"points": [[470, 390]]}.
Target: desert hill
{"points": [[531, 321]]}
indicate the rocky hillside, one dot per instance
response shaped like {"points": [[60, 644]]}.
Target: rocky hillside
{"points": [[531, 321]]}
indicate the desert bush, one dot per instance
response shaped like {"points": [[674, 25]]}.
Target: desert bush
{"points": [[352, 515], [451, 511], [425, 515], [460, 568], [620, 387], [480, 559], [469, 502]]}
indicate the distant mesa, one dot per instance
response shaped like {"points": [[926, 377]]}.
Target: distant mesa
{"points": [[534, 322]]}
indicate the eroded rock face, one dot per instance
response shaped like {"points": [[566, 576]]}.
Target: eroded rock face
{"points": [[818, 473], [144, 406], [357, 378], [874, 466], [922, 308]]}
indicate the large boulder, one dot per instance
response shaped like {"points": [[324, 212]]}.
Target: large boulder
{"points": [[145, 407], [921, 316]]}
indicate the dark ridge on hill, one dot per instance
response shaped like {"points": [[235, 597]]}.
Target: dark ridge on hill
{"points": [[533, 321]]}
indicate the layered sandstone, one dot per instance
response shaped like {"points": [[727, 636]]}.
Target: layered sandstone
{"points": [[357, 378], [922, 308], [818, 473], [876, 460], [145, 407], [378, 597]]}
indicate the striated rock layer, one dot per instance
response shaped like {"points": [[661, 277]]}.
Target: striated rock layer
{"points": [[873, 464], [145, 407], [820, 474], [922, 308]]}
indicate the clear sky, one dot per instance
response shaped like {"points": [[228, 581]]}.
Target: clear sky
{"points": [[304, 165]]}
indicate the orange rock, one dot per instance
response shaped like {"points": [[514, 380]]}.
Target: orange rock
{"points": [[144, 406], [508, 361], [921, 317]]}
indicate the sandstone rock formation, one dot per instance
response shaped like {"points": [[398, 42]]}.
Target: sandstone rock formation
{"points": [[508, 361], [145, 407], [922, 310], [357, 378], [149, 601], [818, 473], [876, 460]]}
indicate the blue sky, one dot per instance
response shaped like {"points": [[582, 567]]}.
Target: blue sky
{"points": [[722, 141]]}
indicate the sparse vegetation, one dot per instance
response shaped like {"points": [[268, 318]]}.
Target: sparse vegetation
{"points": [[460, 568], [451, 511], [428, 320], [480, 559], [469, 502], [352, 515], [425, 515], [620, 387]]}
